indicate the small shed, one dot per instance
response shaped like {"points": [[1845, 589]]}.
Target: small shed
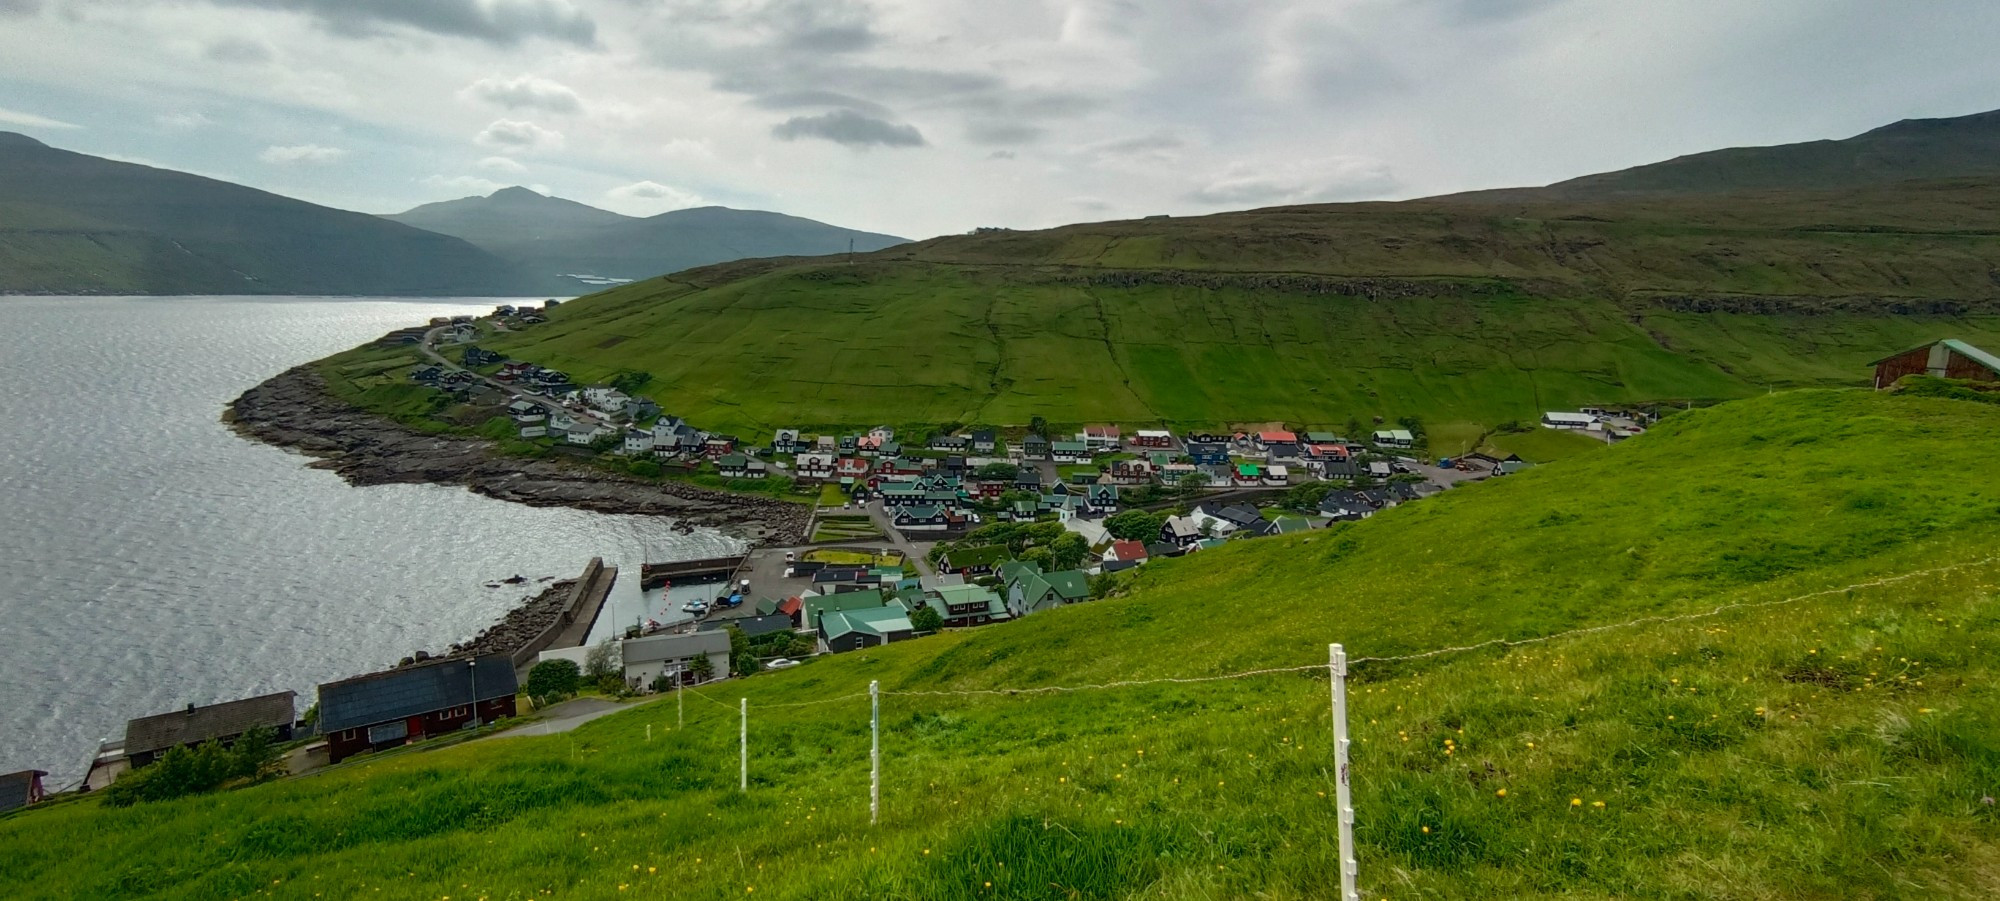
{"points": [[1946, 359]]}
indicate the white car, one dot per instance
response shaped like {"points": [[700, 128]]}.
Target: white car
{"points": [[781, 663], [696, 607]]}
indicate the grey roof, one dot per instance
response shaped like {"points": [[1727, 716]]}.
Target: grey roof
{"points": [[15, 788], [674, 647], [751, 625], [411, 691], [187, 727]]}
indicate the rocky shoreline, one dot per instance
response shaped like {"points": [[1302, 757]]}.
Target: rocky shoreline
{"points": [[294, 410]]}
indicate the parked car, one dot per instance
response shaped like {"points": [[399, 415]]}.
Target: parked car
{"points": [[696, 607], [781, 663]]}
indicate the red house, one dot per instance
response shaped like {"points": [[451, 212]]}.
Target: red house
{"points": [[21, 789], [852, 468], [1947, 359], [385, 710]]}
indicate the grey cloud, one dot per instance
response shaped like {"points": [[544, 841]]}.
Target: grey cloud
{"points": [[526, 92], [1004, 133], [831, 99], [1002, 155], [1158, 144], [850, 128], [516, 134], [503, 22], [1322, 181], [239, 50], [20, 7]]}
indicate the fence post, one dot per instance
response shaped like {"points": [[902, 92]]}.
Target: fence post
{"points": [[874, 753], [680, 706], [1337, 667], [743, 746]]}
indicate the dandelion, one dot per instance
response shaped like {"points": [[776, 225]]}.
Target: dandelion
{"points": [[1500, 794], [1597, 804], [1427, 830], [1576, 802]]}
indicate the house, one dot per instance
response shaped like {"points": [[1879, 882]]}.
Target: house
{"points": [[1345, 506], [584, 433], [1947, 359], [649, 658], [1395, 438], [1509, 467], [1035, 592], [967, 605], [1277, 476], [955, 465], [851, 470], [1275, 442], [882, 433], [985, 442], [719, 445], [149, 737], [1029, 479], [1289, 525], [814, 465], [1127, 551], [526, 411], [1153, 438], [1015, 570], [786, 441], [1380, 470], [639, 408], [928, 518], [1035, 447], [1207, 438], [1321, 438], [1559, 420], [1100, 437], [1070, 452], [18, 790], [1180, 531], [752, 626], [387, 709], [476, 357], [978, 561], [790, 608], [1159, 550], [1339, 470], [1220, 521], [827, 444], [951, 443], [740, 466], [852, 630], [1249, 474], [868, 446], [1101, 498], [428, 375], [1092, 531], [609, 401], [638, 442], [1208, 453]]}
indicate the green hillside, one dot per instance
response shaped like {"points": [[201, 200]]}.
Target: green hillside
{"points": [[1832, 736], [1465, 315], [77, 224]]}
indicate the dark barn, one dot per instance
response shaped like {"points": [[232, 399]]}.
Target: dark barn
{"points": [[1947, 359], [384, 710]]}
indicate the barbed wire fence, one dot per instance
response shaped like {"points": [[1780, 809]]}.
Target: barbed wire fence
{"points": [[1338, 668]]}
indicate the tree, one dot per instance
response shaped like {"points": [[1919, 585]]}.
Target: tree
{"points": [[999, 471], [601, 660], [926, 619], [1068, 551], [741, 661], [702, 669], [553, 679], [1038, 426], [644, 469], [256, 753], [1039, 556], [1305, 497], [1354, 432], [1102, 585], [1134, 525], [1193, 483]]}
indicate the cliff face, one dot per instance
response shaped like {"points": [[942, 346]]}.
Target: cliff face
{"points": [[293, 410]]}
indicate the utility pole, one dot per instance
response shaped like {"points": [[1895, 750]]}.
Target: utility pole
{"points": [[874, 753], [743, 746], [1337, 666]]}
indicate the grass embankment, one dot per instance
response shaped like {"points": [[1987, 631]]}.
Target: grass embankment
{"points": [[841, 527], [1540, 445], [1836, 746]]}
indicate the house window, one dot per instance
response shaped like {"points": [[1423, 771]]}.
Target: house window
{"points": [[348, 734]]}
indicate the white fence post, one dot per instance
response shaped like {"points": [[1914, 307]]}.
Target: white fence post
{"points": [[874, 753], [680, 706], [743, 746], [1337, 666]]}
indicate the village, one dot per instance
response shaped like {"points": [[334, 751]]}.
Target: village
{"points": [[947, 528]]}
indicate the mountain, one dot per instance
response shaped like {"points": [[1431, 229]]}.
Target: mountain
{"points": [[77, 224], [1907, 150], [1787, 676], [559, 239]]}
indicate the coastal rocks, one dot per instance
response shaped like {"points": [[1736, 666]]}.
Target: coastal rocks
{"points": [[521, 625], [294, 410]]}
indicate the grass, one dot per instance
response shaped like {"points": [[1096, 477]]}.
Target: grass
{"points": [[1839, 745], [1540, 445], [833, 557], [831, 527], [830, 495]]}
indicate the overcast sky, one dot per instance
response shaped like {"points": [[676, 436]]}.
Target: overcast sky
{"points": [[922, 117]]}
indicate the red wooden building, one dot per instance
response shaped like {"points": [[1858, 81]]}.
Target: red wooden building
{"points": [[407, 704], [1947, 359]]}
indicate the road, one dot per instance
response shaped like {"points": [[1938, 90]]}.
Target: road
{"points": [[429, 349], [911, 551]]}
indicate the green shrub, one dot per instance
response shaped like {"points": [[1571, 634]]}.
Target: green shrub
{"points": [[553, 679]]}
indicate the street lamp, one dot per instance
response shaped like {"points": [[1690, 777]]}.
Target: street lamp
{"points": [[472, 669]]}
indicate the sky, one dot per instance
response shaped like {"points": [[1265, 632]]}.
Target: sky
{"points": [[927, 117]]}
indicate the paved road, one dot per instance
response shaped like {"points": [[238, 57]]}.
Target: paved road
{"points": [[911, 550], [429, 348], [566, 716]]}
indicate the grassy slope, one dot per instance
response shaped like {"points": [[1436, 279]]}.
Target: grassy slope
{"points": [[1835, 747], [1468, 315]]}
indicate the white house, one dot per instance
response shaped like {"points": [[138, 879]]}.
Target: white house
{"points": [[653, 656], [815, 465], [638, 442], [1556, 420], [608, 400], [1395, 438], [1093, 532], [585, 433]]}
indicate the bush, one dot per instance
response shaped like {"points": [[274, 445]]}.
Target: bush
{"points": [[554, 679], [644, 469], [1135, 525], [601, 660], [926, 620], [204, 768]]}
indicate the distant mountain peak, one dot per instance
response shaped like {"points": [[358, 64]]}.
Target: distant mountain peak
{"points": [[16, 139], [516, 193], [1974, 122]]}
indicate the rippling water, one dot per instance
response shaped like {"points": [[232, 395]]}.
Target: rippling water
{"points": [[150, 558]]}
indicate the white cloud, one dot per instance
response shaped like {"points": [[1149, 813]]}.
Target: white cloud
{"points": [[301, 153], [1327, 180], [462, 184], [687, 148], [648, 197], [516, 134], [30, 120], [181, 121], [525, 92], [503, 165]]}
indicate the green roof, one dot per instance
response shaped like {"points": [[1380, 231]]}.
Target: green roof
{"points": [[1246, 469], [879, 621], [966, 594], [737, 461], [979, 556], [1069, 446], [1068, 585], [1016, 569], [1286, 525], [1322, 437], [836, 603]]}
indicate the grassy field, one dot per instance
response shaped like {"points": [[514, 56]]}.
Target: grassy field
{"points": [[1542, 445], [1834, 736], [838, 527]]}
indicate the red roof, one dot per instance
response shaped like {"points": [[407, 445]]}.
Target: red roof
{"points": [[1269, 437], [1101, 431], [1128, 550], [789, 606]]}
